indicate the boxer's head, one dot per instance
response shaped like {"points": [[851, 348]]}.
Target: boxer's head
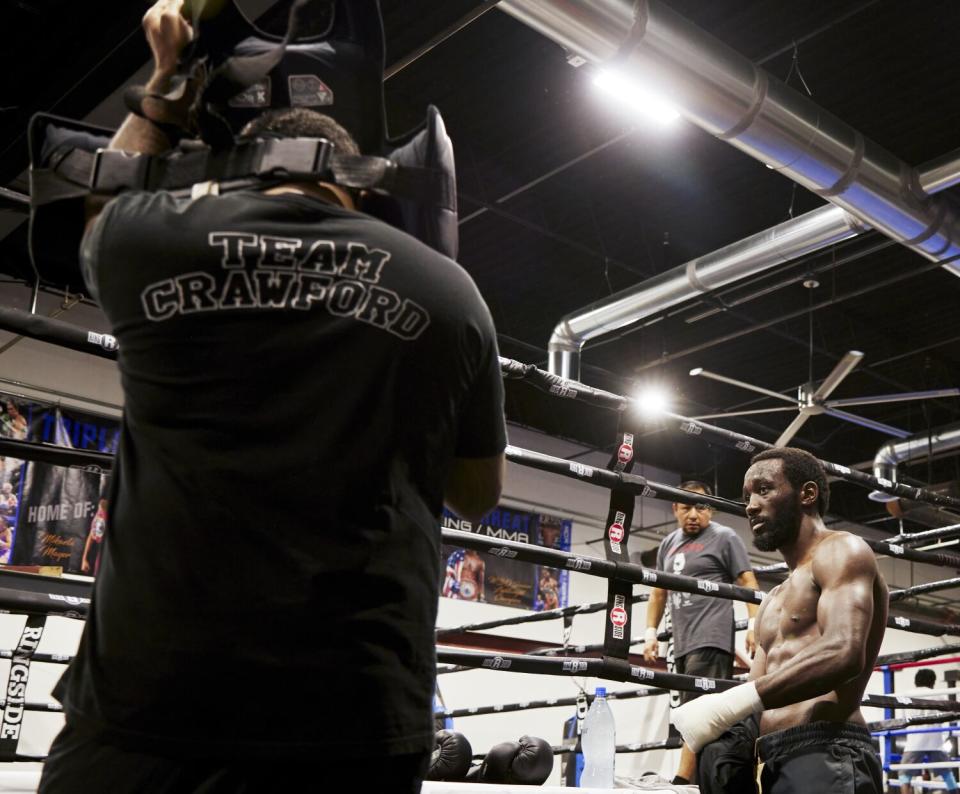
{"points": [[782, 485], [693, 519]]}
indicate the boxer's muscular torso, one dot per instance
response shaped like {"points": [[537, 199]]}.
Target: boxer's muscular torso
{"points": [[792, 617]]}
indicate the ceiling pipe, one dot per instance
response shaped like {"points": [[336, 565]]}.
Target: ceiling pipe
{"points": [[722, 92], [895, 452]]}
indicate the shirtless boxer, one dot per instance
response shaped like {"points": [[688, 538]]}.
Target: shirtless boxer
{"points": [[818, 635]]}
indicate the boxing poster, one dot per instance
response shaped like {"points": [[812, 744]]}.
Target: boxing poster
{"points": [[470, 575], [56, 516]]}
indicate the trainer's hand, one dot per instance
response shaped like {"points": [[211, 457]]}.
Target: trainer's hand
{"points": [[167, 34], [751, 641], [651, 646], [702, 720]]}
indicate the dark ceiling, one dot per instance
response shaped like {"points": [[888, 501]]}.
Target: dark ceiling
{"points": [[565, 198]]}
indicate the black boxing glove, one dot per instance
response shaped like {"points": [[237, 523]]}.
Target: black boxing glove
{"points": [[451, 757], [527, 762]]}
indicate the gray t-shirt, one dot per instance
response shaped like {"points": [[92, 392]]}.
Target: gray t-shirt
{"points": [[718, 555]]}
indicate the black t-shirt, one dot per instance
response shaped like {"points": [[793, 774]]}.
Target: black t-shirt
{"points": [[297, 379]]}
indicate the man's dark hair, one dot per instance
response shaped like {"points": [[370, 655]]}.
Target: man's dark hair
{"points": [[925, 677], [799, 467], [301, 123], [696, 485]]}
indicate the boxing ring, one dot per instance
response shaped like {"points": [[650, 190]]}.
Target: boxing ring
{"points": [[40, 598]]}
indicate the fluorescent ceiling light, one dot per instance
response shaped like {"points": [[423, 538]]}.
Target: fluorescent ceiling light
{"points": [[631, 94]]}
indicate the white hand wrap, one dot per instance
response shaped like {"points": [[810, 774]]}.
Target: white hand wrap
{"points": [[650, 635], [702, 720], [751, 624]]}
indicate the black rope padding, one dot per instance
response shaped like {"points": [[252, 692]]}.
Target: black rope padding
{"points": [[775, 567], [574, 390], [594, 566], [24, 602], [536, 617], [921, 626], [917, 656], [58, 332], [674, 743], [929, 587], [896, 550], [634, 483], [601, 668], [895, 702], [574, 666], [561, 387], [38, 705], [906, 722], [662, 636], [52, 658], [940, 533], [550, 703], [97, 462]]}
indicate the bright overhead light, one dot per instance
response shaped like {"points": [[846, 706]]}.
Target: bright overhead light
{"points": [[696, 371], [635, 96], [652, 401]]}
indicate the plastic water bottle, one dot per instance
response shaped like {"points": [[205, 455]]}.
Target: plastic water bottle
{"points": [[599, 743]]}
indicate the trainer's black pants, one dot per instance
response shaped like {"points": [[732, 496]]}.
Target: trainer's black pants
{"points": [[80, 763]]}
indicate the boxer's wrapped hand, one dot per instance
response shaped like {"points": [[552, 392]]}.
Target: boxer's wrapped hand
{"points": [[702, 720]]}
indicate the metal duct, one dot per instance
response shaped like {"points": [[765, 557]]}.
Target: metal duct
{"points": [[893, 453], [747, 257], [725, 94]]}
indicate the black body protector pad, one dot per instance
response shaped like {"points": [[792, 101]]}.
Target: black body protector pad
{"points": [[339, 73], [58, 190]]}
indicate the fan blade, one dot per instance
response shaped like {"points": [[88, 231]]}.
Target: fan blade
{"points": [[893, 398], [792, 429], [864, 422], [746, 413], [703, 373], [844, 367]]}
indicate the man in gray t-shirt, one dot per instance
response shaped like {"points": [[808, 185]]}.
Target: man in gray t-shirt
{"points": [[703, 633]]}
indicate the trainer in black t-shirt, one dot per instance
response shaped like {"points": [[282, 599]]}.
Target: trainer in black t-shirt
{"points": [[298, 378]]}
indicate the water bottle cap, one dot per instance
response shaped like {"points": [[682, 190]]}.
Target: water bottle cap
{"points": [[600, 692]]}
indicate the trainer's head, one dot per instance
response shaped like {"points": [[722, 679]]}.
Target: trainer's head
{"points": [[782, 485], [693, 519], [303, 123], [925, 677]]}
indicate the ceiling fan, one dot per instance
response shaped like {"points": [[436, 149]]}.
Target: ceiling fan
{"points": [[812, 400]]}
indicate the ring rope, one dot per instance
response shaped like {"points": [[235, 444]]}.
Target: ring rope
{"points": [[929, 587], [536, 617], [24, 602], [58, 332], [594, 566], [605, 478], [550, 703], [574, 390], [940, 533], [97, 462]]}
